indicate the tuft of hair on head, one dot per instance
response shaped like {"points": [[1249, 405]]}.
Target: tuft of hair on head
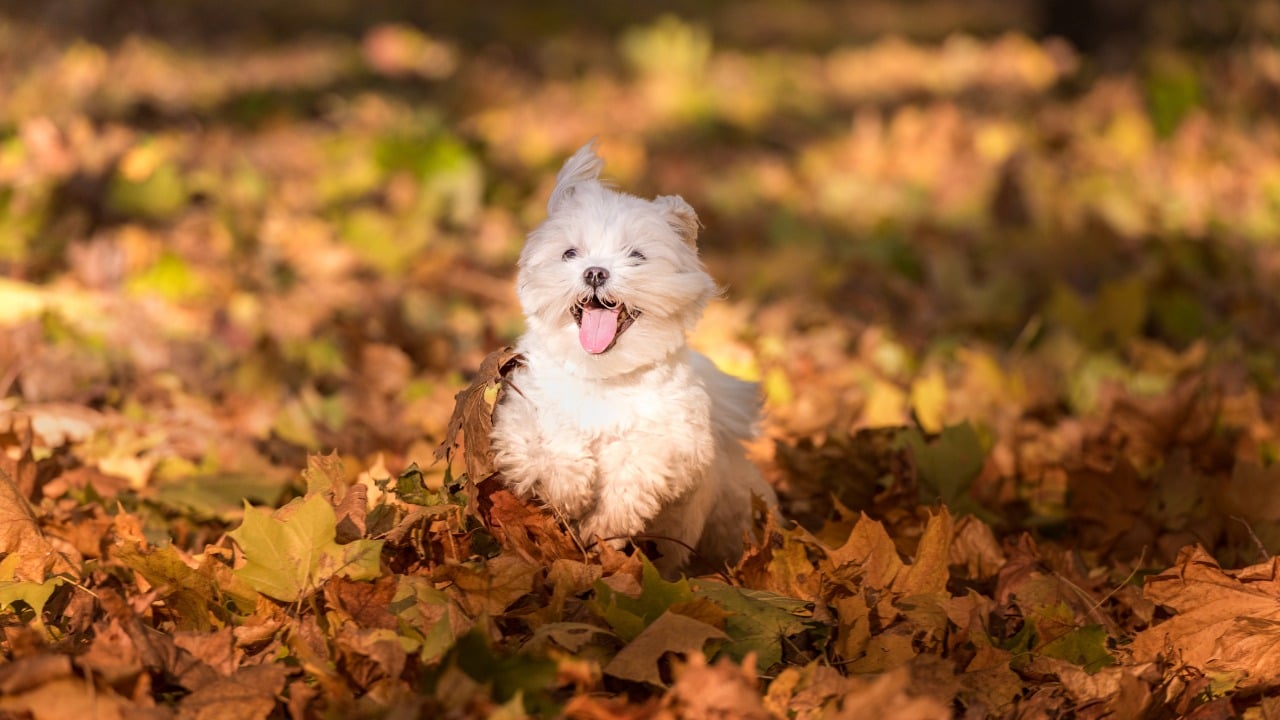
{"points": [[584, 166], [680, 216]]}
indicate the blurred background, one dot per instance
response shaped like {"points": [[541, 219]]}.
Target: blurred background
{"points": [[235, 232]]}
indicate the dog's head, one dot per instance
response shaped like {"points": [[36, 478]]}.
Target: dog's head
{"points": [[610, 282]]}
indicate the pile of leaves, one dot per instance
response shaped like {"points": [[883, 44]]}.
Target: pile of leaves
{"points": [[1013, 319]]}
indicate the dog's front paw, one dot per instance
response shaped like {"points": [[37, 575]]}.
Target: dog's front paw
{"points": [[604, 528], [570, 496]]}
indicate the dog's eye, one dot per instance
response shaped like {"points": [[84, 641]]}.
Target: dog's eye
{"points": [[637, 255], [569, 254]]}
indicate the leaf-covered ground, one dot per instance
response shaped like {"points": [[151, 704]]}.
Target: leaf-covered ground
{"points": [[1013, 309]]}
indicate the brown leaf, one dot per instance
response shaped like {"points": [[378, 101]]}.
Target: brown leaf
{"points": [[638, 661], [566, 578], [711, 692], [1226, 621], [248, 694], [29, 672], [854, 629], [1125, 690], [592, 707], [370, 654], [818, 691], [215, 649], [890, 649], [490, 587], [192, 593], [870, 553], [69, 698], [975, 548], [473, 415], [16, 437], [781, 563], [20, 535], [365, 603], [928, 572], [534, 534], [890, 695], [112, 655]]}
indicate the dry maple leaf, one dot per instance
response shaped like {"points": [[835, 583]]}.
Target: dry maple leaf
{"points": [[1227, 621], [20, 535], [473, 414], [703, 691]]}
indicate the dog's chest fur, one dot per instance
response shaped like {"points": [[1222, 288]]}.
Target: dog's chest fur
{"points": [[632, 409]]}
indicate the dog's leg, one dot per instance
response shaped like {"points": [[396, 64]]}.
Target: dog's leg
{"points": [[555, 468], [644, 478]]}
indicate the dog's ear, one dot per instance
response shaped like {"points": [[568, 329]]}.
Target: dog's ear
{"points": [[584, 166], [680, 216]]}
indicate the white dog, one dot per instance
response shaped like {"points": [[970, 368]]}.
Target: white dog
{"points": [[613, 421]]}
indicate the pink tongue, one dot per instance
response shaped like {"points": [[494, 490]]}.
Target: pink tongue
{"points": [[599, 325]]}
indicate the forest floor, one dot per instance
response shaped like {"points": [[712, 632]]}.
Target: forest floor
{"points": [[1015, 321]]}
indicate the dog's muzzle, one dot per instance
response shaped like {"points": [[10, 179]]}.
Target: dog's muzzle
{"points": [[600, 324]]}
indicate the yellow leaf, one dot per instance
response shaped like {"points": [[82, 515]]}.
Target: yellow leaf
{"points": [[870, 551], [928, 573], [929, 400], [886, 405]]}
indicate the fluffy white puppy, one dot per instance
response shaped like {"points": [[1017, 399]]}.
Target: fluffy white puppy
{"points": [[612, 420]]}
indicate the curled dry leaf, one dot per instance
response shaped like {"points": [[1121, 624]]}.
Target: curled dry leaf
{"points": [[670, 633], [473, 414], [1226, 621], [704, 691], [20, 536]]}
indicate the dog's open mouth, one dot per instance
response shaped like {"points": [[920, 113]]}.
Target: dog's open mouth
{"points": [[600, 325]]}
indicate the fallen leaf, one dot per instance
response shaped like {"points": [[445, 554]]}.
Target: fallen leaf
{"points": [[1225, 621], [250, 694], [291, 553], [20, 537], [975, 548], [758, 622], [68, 698], [638, 661], [629, 616], [868, 553], [473, 414], [928, 572], [22, 674], [195, 595], [949, 464], [490, 587], [723, 690]]}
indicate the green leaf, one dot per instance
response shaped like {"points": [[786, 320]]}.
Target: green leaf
{"points": [[424, 614], [411, 487], [217, 495], [629, 616], [160, 195], [757, 621], [170, 277], [511, 675], [1086, 647], [192, 594], [32, 595], [290, 553], [950, 463]]}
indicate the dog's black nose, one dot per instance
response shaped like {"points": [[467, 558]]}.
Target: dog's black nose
{"points": [[595, 276]]}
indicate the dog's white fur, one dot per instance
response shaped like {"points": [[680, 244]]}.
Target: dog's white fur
{"points": [[645, 437]]}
